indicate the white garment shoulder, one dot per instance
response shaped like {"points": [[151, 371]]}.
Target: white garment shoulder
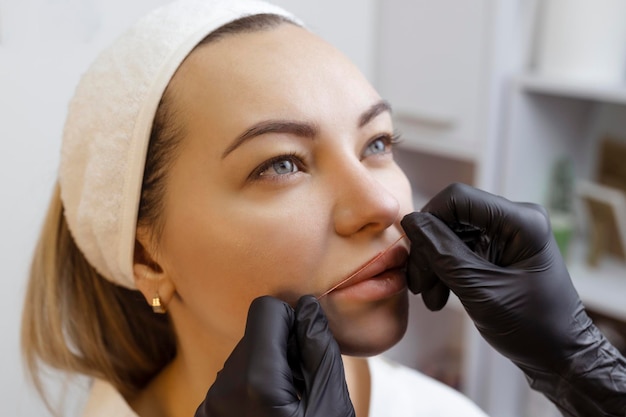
{"points": [[397, 391], [400, 391], [105, 401]]}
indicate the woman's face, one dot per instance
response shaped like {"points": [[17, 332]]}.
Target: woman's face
{"points": [[284, 184]]}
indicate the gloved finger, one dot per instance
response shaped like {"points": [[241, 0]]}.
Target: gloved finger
{"points": [[257, 373], [461, 203], [321, 363], [450, 259], [264, 350], [510, 231], [422, 280], [436, 298], [420, 277]]}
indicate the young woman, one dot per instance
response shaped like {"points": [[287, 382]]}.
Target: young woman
{"points": [[216, 153]]}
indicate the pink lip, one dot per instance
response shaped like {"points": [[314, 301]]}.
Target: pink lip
{"points": [[392, 259]]}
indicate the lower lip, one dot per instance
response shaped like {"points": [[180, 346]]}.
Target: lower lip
{"points": [[379, 287]]}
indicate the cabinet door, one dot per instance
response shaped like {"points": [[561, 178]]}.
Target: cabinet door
{"points": [[433, 63]]}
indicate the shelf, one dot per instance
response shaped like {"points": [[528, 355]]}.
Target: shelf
{"points": [[601, 288], [427, 135], [573, 89], [446, 149]]}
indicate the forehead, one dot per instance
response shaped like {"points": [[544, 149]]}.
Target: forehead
{"points": [[285, 70]]}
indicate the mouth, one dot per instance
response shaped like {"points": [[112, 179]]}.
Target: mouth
{"points": [[387, 264]]}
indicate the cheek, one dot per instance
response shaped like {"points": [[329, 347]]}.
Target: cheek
{"points": [[219, 264]]}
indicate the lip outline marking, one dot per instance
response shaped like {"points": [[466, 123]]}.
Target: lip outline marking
{"points": [[386, 266]]}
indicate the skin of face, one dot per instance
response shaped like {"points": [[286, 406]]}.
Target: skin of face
{"points": [[291, 210]]}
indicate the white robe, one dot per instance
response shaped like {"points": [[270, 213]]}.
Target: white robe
{"points": [[397, 391]]}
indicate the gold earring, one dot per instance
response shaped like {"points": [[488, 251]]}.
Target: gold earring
{"points": [[157, 307]]}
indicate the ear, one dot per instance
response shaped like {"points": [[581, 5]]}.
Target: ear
{"points": [[151, 279]]}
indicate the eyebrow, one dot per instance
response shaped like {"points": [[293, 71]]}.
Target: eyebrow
{"points": [[301, 129], [380, 107]]}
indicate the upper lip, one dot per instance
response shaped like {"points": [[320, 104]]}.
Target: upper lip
{"points": [[395, 257]]}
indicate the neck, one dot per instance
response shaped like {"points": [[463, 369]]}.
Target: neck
{"points": [[358, 378], [182, 385], [180, 388]]}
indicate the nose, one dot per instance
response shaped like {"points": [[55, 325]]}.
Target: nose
{"points": [[363, 202]]}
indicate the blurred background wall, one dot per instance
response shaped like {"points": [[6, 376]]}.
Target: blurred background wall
{"points": [[494, 93]]}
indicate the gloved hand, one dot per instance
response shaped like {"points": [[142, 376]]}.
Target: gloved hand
{"points": [[286, 365], [501, 260]]}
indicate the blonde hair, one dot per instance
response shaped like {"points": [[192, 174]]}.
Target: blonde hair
{"points": [[74, 319]]}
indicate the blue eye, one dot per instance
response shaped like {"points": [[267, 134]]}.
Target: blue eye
{"points": [[381, 145], [377, 146], [278, 167], [281, 167]]}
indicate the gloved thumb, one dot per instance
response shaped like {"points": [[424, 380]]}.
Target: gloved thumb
{"points": [[257, 368], [321, 363], [268, 326]]}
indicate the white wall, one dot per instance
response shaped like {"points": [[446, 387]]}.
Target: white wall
{"points": [[350, 25], [44, 47]]}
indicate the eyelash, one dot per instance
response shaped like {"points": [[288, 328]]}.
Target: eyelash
{"points": [[396, 138], [298, 160], [293, 157]]}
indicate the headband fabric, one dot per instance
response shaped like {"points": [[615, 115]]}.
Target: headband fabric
{"points": [[109, 121]]}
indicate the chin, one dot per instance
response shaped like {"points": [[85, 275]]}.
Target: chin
{"points": [[368, 330]]}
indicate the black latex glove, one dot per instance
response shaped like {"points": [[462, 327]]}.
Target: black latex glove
{"points": [[501, 260], [286, 365]]}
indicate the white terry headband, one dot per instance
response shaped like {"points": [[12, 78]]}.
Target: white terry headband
{"points": [[109, 121]]}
